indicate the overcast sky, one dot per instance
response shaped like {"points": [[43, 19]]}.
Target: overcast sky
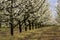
{"points": [[53, 4]]}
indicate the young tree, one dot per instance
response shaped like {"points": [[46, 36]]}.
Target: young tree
{"points": [[7, 7]]}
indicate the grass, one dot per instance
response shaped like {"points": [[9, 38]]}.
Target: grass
{"points": [[35, 34], [5, 34]]}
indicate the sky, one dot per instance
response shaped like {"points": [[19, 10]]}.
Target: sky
{"points": [[53, 4]]}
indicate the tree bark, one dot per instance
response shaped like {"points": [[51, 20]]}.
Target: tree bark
{"points": [[20, 29], [0, 25], [32, 25], [29, 25]]}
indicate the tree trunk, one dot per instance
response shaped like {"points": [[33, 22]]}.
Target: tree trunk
{"points": [[0, 25], [11, 25], [32, 25], [25, 28], [29, 26], [38, 26], [20, 29], [35, 26]]}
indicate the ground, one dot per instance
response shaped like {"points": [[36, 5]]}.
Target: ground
{"points": [[44, 33]]}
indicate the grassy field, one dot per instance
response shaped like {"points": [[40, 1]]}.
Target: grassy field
{"points": [[44, 33]]}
